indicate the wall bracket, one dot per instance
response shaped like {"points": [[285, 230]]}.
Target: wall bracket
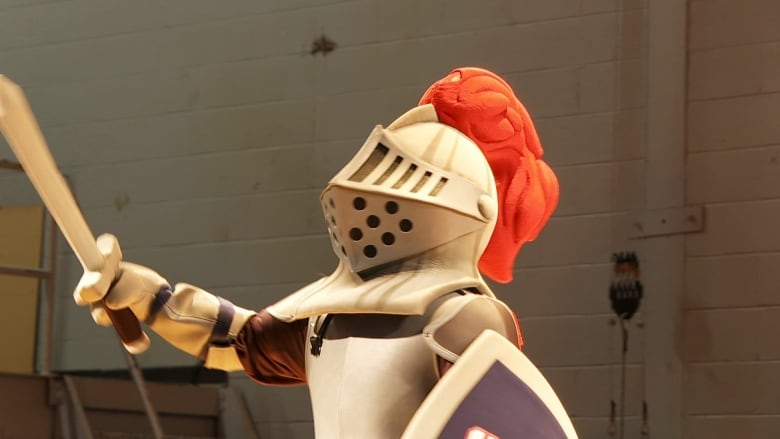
{"points": [[664, 222]]}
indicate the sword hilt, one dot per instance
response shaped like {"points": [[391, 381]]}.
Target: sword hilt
{"points": [[129, 329]]}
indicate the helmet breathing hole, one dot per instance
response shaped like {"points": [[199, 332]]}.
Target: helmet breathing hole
{"points": [[343, 251], [332, 203], [359, 203], [391, 207], [405, 225], [388, 238], [369, 251], [372, 221], [356, 234]]}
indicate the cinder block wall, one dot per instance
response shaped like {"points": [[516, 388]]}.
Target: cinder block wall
{"points": [[202, 132], [732, 305]]}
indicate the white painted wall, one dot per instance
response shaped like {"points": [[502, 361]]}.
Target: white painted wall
{"points": [[201, 133]]}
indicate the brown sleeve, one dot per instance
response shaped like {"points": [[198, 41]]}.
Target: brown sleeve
{"points": [[272, 351]]}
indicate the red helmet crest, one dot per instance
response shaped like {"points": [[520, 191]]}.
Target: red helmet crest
{"points": [[483, 106]]}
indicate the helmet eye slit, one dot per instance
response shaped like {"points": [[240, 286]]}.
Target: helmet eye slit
{"points": [[389, 171], [424, 179], [404, 178], [439, 186], [371, 163]]}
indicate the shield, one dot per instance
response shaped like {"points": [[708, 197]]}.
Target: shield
{"points": [[493, 391]]}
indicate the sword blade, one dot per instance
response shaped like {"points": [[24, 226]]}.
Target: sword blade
{"points": [[24, 135], [26, 141]]}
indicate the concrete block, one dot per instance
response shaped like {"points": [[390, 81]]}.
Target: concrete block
{"points": [[733, 175], [181, 134], [721, 281], [190, 178], [586, 392], [731, 389], [596, 6], [593, 138], [12, 4], [564, 46], [551, 291], [737, 228], [414, 20], [746, 334], [173, 91], [753, 426], [547, 93], [253, 81], [599, 427], [720, 24], [586, 239], [212, 220], [57, 21], [734, 71], [451, 16], [354, 115], [612, 86], [733, 122], [601, 188], [579, 340], [154, 50], [224, 40], [111, 99], [277, 263], [631, 34], [258, 262]]}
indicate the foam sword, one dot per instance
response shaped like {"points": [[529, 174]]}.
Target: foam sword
{"points": [[100, 258]]}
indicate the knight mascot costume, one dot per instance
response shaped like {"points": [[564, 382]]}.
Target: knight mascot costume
{"points": [[451, 188]]}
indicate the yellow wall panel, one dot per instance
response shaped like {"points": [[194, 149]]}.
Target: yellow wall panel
{"points": [[21, 233]]}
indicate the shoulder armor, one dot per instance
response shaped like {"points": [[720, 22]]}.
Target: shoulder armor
{"points": [[460, 319]]}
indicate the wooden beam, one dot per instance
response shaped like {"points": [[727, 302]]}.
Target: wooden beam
{"points": [[7, 164]]}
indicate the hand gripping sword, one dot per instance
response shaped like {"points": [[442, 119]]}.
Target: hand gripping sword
{"points": [[100, 259]]}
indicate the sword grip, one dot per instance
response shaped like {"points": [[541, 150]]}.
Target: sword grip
{"points": [[129, 329]]}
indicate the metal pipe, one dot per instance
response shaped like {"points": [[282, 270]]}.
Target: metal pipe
{"points": [[85, 430], [17, 270], [138, 379], [250, 429], [48, 330], [62, 410]]}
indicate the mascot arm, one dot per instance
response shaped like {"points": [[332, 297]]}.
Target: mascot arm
{"points": [[191, 319]]}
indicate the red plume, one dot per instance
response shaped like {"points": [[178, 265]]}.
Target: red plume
{"points": [[483, 106]]}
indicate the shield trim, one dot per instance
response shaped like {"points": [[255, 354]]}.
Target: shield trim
{"points": [[440, 405]]}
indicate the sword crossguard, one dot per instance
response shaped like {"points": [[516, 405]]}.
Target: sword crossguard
{"points": [[95, 285]]}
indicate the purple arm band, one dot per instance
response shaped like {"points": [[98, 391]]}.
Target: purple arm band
{"points": [[160, 299], [220, 333]]}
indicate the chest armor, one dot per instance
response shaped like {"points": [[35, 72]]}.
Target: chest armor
{"points": [[370, 376]]}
